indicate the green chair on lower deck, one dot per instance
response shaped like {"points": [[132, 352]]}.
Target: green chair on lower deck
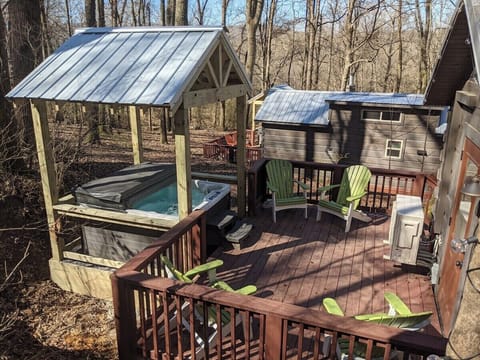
{"points": [[192, 276], [352, 188], [399, 316], [280, 182]]}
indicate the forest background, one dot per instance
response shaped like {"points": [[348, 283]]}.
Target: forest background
{"points": [[361, 45]]}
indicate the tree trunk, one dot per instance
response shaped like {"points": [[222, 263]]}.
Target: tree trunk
{"points": [[101, 13], [69, 18], [253, 11], [25, 52], [181, 15], [268, 43], [171, 5], [90, 16], [163, 126], [9, 145], [331, 47], [224, 11], [399, 72], [201, 11], [424, 39], [162, 19]]}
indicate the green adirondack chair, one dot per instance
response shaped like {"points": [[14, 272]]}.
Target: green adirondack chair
{"points": [[399, 316], [190, 277], [353, 187], [280, 182]]}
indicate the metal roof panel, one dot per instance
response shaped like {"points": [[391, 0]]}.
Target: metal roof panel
{"points": [[311, 107], [137, 66]]}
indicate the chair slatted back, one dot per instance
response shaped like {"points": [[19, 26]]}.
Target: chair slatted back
{"points": [[354, 181], [280, 176]]}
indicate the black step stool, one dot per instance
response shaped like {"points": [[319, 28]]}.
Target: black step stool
{"points": [[219, 225]]}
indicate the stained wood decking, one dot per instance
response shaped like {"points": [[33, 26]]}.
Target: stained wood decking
{"points": [[300, 262]]}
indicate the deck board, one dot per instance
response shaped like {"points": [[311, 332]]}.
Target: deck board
{"points": [[300, 262]]}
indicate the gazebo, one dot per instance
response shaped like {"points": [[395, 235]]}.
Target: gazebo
{"points": [[170, 67]]}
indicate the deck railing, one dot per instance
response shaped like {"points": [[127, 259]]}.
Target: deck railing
{"points": [[158, 318], [383, 186]]}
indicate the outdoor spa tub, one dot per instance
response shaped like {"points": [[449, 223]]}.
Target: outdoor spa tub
{"points": [[147, 189]]}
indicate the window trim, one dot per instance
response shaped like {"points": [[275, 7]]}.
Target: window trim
{"points": [[381, 111], [401, 150]]}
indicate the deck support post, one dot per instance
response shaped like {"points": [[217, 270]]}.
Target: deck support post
{"points": [[47, 173], [136, 127], [182, 161], [241, 103]]}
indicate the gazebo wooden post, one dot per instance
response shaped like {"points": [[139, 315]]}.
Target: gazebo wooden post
{"points": [[47, 173], [241, 154], [136, 127], [182, 157]]}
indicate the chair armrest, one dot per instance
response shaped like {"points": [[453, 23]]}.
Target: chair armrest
{"points": [[332, 307], [246, 290], [356, 197], [324, 189], [209, 267], [302, 185]]}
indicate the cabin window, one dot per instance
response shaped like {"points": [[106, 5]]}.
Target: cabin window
{"points": [[381, 115], [394, 149]]}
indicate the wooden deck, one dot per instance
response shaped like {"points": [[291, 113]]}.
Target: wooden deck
{"points": [[300, 262]]}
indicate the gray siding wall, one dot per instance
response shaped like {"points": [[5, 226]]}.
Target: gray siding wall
{"points": [[364, 141]]}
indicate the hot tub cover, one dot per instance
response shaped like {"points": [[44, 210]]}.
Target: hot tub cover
{"points": [[114, 191]]}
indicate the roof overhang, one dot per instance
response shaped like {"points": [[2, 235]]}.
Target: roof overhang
{"points": [[455, 62], [141, 66]]}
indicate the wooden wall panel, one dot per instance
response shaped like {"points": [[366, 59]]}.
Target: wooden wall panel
{"points": [[364, 141]]}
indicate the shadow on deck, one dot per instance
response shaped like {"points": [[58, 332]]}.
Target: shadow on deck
{"points": [[300, 262]]}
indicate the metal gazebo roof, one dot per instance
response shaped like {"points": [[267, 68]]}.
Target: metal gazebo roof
{"points": [[146, 66]]}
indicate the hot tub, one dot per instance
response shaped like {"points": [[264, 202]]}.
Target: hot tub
{"points": [[148, 189]]}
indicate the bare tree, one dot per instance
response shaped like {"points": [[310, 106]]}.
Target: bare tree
{"points": [[224, 11], [423, 24], [25, 53], [181, 14], [253, 10], [359, 16], [200, 11], [399, 72], [9, 146], [271, 10], [90, 16], [69, 18], [101, 13], [171, 5]]}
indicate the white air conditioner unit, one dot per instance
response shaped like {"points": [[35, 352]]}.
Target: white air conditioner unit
{"points": [[406, 226]]}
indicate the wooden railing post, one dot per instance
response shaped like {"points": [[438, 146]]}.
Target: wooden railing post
{"points": [[273, 337], [199, 241], [419, 185], [124, 313]]}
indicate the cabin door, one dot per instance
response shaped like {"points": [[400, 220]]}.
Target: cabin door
{"points": [[463, 224]]}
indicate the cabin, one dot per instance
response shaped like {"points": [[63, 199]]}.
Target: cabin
{"points": [[175, 68], [389, 131], [455, 83]]}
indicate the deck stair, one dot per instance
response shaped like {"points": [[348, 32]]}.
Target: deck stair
{"points": [[226, 227]]}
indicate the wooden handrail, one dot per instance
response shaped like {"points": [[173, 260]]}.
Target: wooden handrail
{"points": [[268, 310]]}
